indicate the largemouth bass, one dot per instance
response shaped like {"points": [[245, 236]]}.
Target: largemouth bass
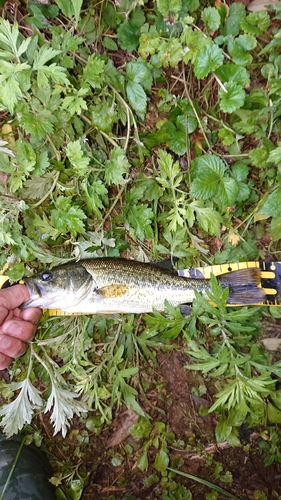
{"points": [[116, 285]]}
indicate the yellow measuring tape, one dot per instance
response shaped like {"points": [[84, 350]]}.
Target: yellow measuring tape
{"points": [[270, 280]]}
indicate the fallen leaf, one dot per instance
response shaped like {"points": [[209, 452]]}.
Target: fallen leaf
{"points": [[122, 423], [272, 344]]}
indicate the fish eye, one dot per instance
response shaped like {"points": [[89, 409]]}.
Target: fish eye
{"points": [[46, 276]]}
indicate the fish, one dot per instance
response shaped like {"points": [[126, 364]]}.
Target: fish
{"points": [[115, 285]]}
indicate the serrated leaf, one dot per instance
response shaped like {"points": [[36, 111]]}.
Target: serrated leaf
{"points": [[38, 124], [75, 103], [128, 36], [233, 72], [170, 52], [37, 187], [138, 71], [211, 18], [166, 6], [116, 167], [275, 156], [256, 23], [208, 219], [9, 38], [208, 59], [43, 55], [67, 217], [136, 96], [92, 73], [79, 162], [228, 191], [20, 411], [233, 98], [272, 206], [42, 228], [210, 171], [140, 219], [178, 142]]}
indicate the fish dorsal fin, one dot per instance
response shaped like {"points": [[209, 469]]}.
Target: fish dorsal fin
{"points": [[113, 291]]}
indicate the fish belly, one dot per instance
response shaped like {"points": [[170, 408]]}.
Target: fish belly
{"points": [[134, 301]]}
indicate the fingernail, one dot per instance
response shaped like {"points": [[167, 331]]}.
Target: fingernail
{"points": [[11, 328], [5, 342]]}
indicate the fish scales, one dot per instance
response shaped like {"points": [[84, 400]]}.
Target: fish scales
{"points": [[109, 285]]}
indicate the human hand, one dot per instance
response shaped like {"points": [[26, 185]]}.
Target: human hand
{"points": [[17, 326]]}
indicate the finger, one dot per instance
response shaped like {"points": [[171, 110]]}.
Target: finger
{"points": [[12, 346], [4, 361], [14, 296], [32, 314], [18, 328]]}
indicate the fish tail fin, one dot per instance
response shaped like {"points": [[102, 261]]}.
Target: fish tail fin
{"points": [[244, 286]]}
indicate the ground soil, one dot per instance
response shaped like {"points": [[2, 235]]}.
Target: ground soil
{"points": [[173, 403]]}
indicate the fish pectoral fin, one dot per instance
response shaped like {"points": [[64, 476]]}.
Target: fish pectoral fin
{"points": [[113, 291], [185, 310]]}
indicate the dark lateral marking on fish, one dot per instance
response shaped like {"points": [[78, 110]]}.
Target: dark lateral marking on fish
{"points": [[113, 291]]}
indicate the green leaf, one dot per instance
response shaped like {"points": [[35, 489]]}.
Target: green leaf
{"points": [[141, 429], [77, 4], [211, 18], [38, 124], [149, 43], [256, 23], [67, 217], [104, 115], [138, 71], [140, 219], [208, 219], [43, 55], [9, 40], [142, 461], [210, 171], [208, 59], [37, 187], [223, 430], [170, 52], [273, 413], [272, 206], [79, 162], [42, 228], [167, 6], [136, 96], [128, 36], [234, 18], [239, 47], [75, 103], [275, 228], [116, 167], [93, 72], [109, 44], [275, 156], [233, 98], [66, 7], [161, 461], [233, 72]]}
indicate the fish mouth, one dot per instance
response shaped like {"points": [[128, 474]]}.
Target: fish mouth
{"points": [[35, 293]]}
